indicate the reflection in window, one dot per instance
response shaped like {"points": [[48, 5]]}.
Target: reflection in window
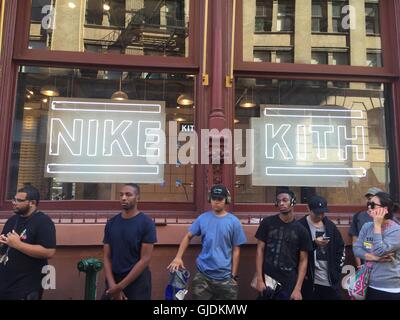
{"points": [[320, 95], [319, 16], [37, 7], [376, 120], [319, 57], [284, 56], [340, 58], [263, 16], [145, 27], [374, 59], [285, 20], [372, 18], [338, 15], [331, 31], [262, 55], [31, 117]]}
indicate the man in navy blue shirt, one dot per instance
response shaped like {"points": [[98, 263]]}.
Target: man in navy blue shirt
{"points": [[221, 235], [129, 239]]}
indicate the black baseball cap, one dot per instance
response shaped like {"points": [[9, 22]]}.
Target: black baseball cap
{"points": [[318, 204], [219, 191]]}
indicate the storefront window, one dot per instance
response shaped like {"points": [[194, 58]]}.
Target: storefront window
{"points": [[144, 27], [318, 137], [305, 27], [92, 111]]}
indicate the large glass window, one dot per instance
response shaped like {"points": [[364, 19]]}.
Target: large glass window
{"points": [[144, 27], [113, 92], [323, 25], [318, 137]]}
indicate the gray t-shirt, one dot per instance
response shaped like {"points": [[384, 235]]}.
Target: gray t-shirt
{"points": [[320, 257], [359, 219]]}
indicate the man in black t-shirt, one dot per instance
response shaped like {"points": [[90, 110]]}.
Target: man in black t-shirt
{"points": [[28, 239], [129, 239], [282, 250]]}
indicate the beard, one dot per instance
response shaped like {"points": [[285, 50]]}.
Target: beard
{"points": [[21, 211]]}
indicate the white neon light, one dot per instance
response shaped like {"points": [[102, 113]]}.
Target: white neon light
{"points": [[106, 104], [288, 115], [95, 137], [71, 137], [141, 167], [343, 155], [148, 134], [301, 155], [308, 174], [330, 129], [108, 123], [286, 128]]}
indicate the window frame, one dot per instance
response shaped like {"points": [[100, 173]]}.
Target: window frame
{"points": [[265, 17], [17, 54], [321, 18], [376, 24], [21, 51], [388, 74]]}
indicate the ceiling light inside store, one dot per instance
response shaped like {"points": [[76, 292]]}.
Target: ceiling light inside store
{"points": [[235, 121], [45, 100], [50, 91], [71, 5], [27, 108], [185, 100], [119, 95], [180, 119], [247, 103], [106, 7]]}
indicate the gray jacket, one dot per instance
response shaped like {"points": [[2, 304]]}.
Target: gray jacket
{"points": [[383, 274]]}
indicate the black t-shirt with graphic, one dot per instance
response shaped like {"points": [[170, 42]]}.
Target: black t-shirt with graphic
{"points": [[283, 243], [22, 274]]}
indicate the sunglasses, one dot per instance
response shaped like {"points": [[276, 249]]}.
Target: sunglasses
{"points": [[17, 200], [373, 204]]}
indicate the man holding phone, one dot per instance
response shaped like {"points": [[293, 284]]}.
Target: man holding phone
{"points": [[325, 260]]}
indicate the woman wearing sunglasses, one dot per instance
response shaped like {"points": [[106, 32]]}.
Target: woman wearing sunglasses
{"points": [[379, 244]]}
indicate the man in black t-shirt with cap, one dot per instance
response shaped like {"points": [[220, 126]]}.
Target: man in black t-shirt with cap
{"points": [[28, 239]]}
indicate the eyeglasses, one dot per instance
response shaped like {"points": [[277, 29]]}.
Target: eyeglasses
{"points": [[18, 200], [373, 204]]}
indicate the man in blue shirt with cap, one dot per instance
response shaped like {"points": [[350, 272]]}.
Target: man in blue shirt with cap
{"points": [[221, 235]]}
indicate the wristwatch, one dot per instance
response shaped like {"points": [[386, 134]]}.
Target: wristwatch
{"points": [[236, 278]]}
